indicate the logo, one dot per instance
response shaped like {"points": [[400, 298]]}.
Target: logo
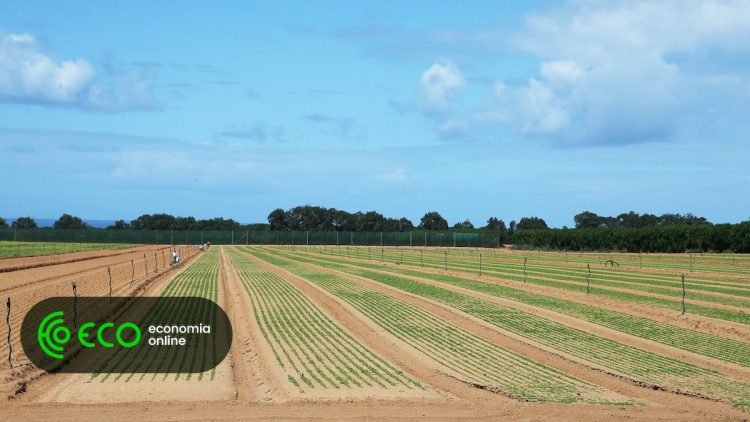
{"points": [[52, 335], [126, 334]]}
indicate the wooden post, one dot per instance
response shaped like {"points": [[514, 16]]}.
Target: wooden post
{"points": [[446, 260], [109, 273], [480, 265], [75, 305], [421, 260], [683, 294], [10, 344], [132, 272], [588, 279]]}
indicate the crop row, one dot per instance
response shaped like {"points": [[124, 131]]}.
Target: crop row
{"points": [[632, 362], [598, 289], [307, 345], [21, 249], [694, 341], [198, 280], [476, 360]]}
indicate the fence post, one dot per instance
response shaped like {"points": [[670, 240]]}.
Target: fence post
{"points": [[109, 273], [421, 261], [75, 305], [588, 278], [446, 260], [480, 265], [683, 294], [145, 264], [10, 344], [132, 272], [402, 257]]}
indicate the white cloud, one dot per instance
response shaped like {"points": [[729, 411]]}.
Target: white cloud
{"points": [[441, 82], [396, 176], [28, 75], [620, 72]]}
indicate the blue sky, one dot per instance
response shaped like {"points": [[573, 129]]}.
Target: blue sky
{"points": [[473, 109]]}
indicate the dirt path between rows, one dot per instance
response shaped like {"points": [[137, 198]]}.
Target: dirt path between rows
{"points": [[714, 326], [733, 370], [279, 378], [654, 399], [36, 261], [81, 388], [15, 282]]}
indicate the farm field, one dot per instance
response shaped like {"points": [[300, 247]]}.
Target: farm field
{"points": [[22, 249], [328, 331]]}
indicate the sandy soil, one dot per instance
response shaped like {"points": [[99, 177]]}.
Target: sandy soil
{"points": [[733, 370], [247, 385], [723, 328], [27, 262]]}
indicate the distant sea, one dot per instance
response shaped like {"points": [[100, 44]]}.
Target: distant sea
{"points": [[48, 222]]}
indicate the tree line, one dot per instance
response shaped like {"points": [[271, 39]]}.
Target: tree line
{"points": [[629, 231]]}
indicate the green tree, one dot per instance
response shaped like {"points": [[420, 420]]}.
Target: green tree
{"points": [[277, 220], [119, 225], [531, 223], [67, 221], [494, 223], [3, 223], [588, 219], [433, 221], [24, 223], [466, 224]]}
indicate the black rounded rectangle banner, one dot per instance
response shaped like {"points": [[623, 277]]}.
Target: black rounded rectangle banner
{"points": [[126, 334]]}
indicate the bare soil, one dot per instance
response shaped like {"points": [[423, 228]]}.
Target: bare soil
{"points": [[247, 385]]}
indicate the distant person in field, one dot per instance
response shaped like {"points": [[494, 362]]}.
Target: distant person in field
{"points": [[175, 258]]}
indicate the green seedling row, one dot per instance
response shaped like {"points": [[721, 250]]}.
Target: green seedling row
{"points": [[312, 349], [474, 359]]}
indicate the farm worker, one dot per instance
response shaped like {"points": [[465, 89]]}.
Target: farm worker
{"points": [[174, 256]]}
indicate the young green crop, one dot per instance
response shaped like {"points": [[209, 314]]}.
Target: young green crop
{"points": [[632, 362], [312, 349], [474, 359], [694, 341]]}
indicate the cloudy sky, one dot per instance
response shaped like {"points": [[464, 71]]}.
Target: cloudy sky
{"points": [[473, 109]]}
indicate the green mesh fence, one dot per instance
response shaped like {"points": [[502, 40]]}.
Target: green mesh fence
{"points": [[245, 237]]}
